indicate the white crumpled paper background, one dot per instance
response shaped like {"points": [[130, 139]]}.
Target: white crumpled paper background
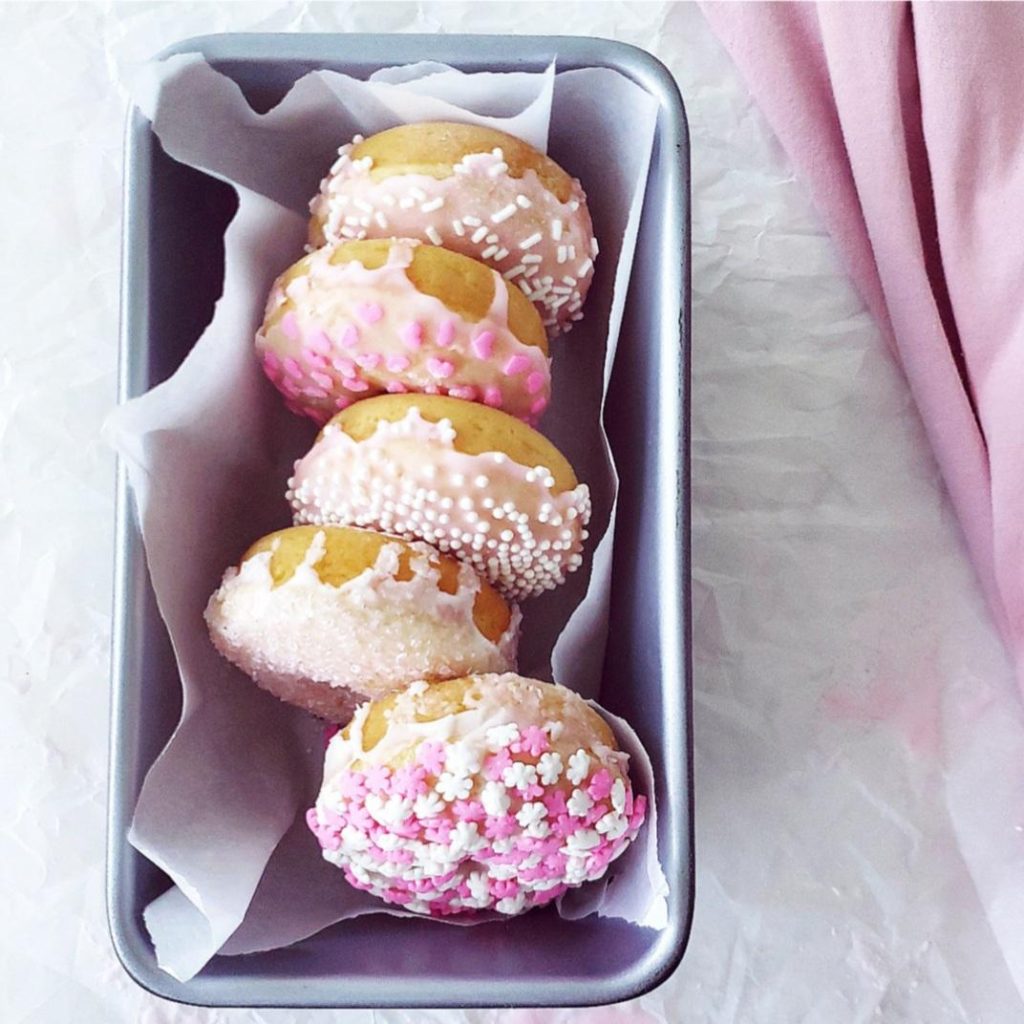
{"points": [[859, 737]]}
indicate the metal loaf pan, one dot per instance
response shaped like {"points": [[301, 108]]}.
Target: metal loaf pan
{"points": [[174, 222]]}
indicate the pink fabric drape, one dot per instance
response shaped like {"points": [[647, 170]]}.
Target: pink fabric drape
{"points": [[906, 121]]}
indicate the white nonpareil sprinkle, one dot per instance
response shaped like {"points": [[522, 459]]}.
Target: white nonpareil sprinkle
{"points": [[509, 274], [533, 257], [458, 228], [563, 253], [473, 222], [418, 194], [501, 253], [478, 235], [488, 252], [529, 243], [584, 268], [523, 202], [434, 204], [556, 230], [433, 234], [497, 169]]}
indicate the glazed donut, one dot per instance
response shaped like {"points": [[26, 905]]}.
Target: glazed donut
{"points": [[327, 617], [470, 480], [474, 190], [356, 320], [493, 792]]}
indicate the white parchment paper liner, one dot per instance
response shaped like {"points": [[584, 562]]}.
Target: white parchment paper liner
{"points": [[209, 450]]}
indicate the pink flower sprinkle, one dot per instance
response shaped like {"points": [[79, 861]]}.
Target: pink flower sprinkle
{"points": [[533, 740], [636, 819], [377, 778], [369, 312], [596, 812], [350, 336], [359, 817], [409, 781], [517, 364], [412, 335], [355, 384], [353, 881], [397, 363], [554, 801], [547, 895], [502, 887], [396, 895], [501, 828], [463, 891], [600, 784], [483, 345], [539, 406], [292, 368], [469, 810], [369, 360], [496, 764], [438, 833], [440, 369], [431, 756], [564, 825], [396, 387], [555, 864], [445, 333], [534, 382], [352, 785], [290, 326], [492, 397], [319, 342]]}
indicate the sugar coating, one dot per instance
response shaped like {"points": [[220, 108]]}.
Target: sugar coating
{"points": [[407, 479], [354, 333], [513, 224], [327, 648], [475, 811]]}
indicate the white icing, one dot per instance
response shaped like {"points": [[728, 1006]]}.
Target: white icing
{"points": [[372, 635]]}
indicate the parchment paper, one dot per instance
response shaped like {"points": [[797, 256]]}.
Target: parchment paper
{"points": [[208, 453]]}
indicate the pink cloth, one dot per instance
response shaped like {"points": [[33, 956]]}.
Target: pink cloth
{"points": [[907, 123]]}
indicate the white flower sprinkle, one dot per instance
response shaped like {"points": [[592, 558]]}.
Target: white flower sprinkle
{"points": [[579, 803], [549, 767], [495, 799], [579, 766], [453, 787], [499, 736]]}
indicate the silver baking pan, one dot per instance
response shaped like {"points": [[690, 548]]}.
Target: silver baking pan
{"points": [[173, 227]]}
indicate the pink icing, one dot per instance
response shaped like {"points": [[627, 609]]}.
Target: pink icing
{"points": [[407, 338], [500, 517], [516, 225]]}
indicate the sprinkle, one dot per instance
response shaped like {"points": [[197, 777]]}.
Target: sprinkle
{"points": [[433, 234], [397, 363], [579, 803], [446, 333], [290, 326], [539, 406], [523, 202], [292, 368], [549, 767], [556, 230], [495, 799], [473, 222], [563, 254], [497, 169], [382, 221], [454, 787], [509, 274], [440, 369], [516, 364], [535, 382], [504, 213], [571, 281], [593, 247], [458, 228], [396, 387], [478, 235], [532, 258], [412, 335], [501, 253], [350, 336], [369, 360], [355, 384], [488, 252], [483, 345], [579, 765], [492, 397], [406, 202], [369, 312], [574, 205], [434, 204], [325, 380], [530, 242], [418, 194]]}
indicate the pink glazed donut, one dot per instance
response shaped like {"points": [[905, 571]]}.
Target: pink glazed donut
{"points": [[476, 191], [488, 793], [355, 320]]}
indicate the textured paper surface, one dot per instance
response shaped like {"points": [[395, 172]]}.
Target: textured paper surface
{"points": [[852, 864], [237, 775]]}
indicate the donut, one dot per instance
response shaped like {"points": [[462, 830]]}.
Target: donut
{"points": [[473, 190], [472, 481], [328, 617], [489, 793], [393, 315]]}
